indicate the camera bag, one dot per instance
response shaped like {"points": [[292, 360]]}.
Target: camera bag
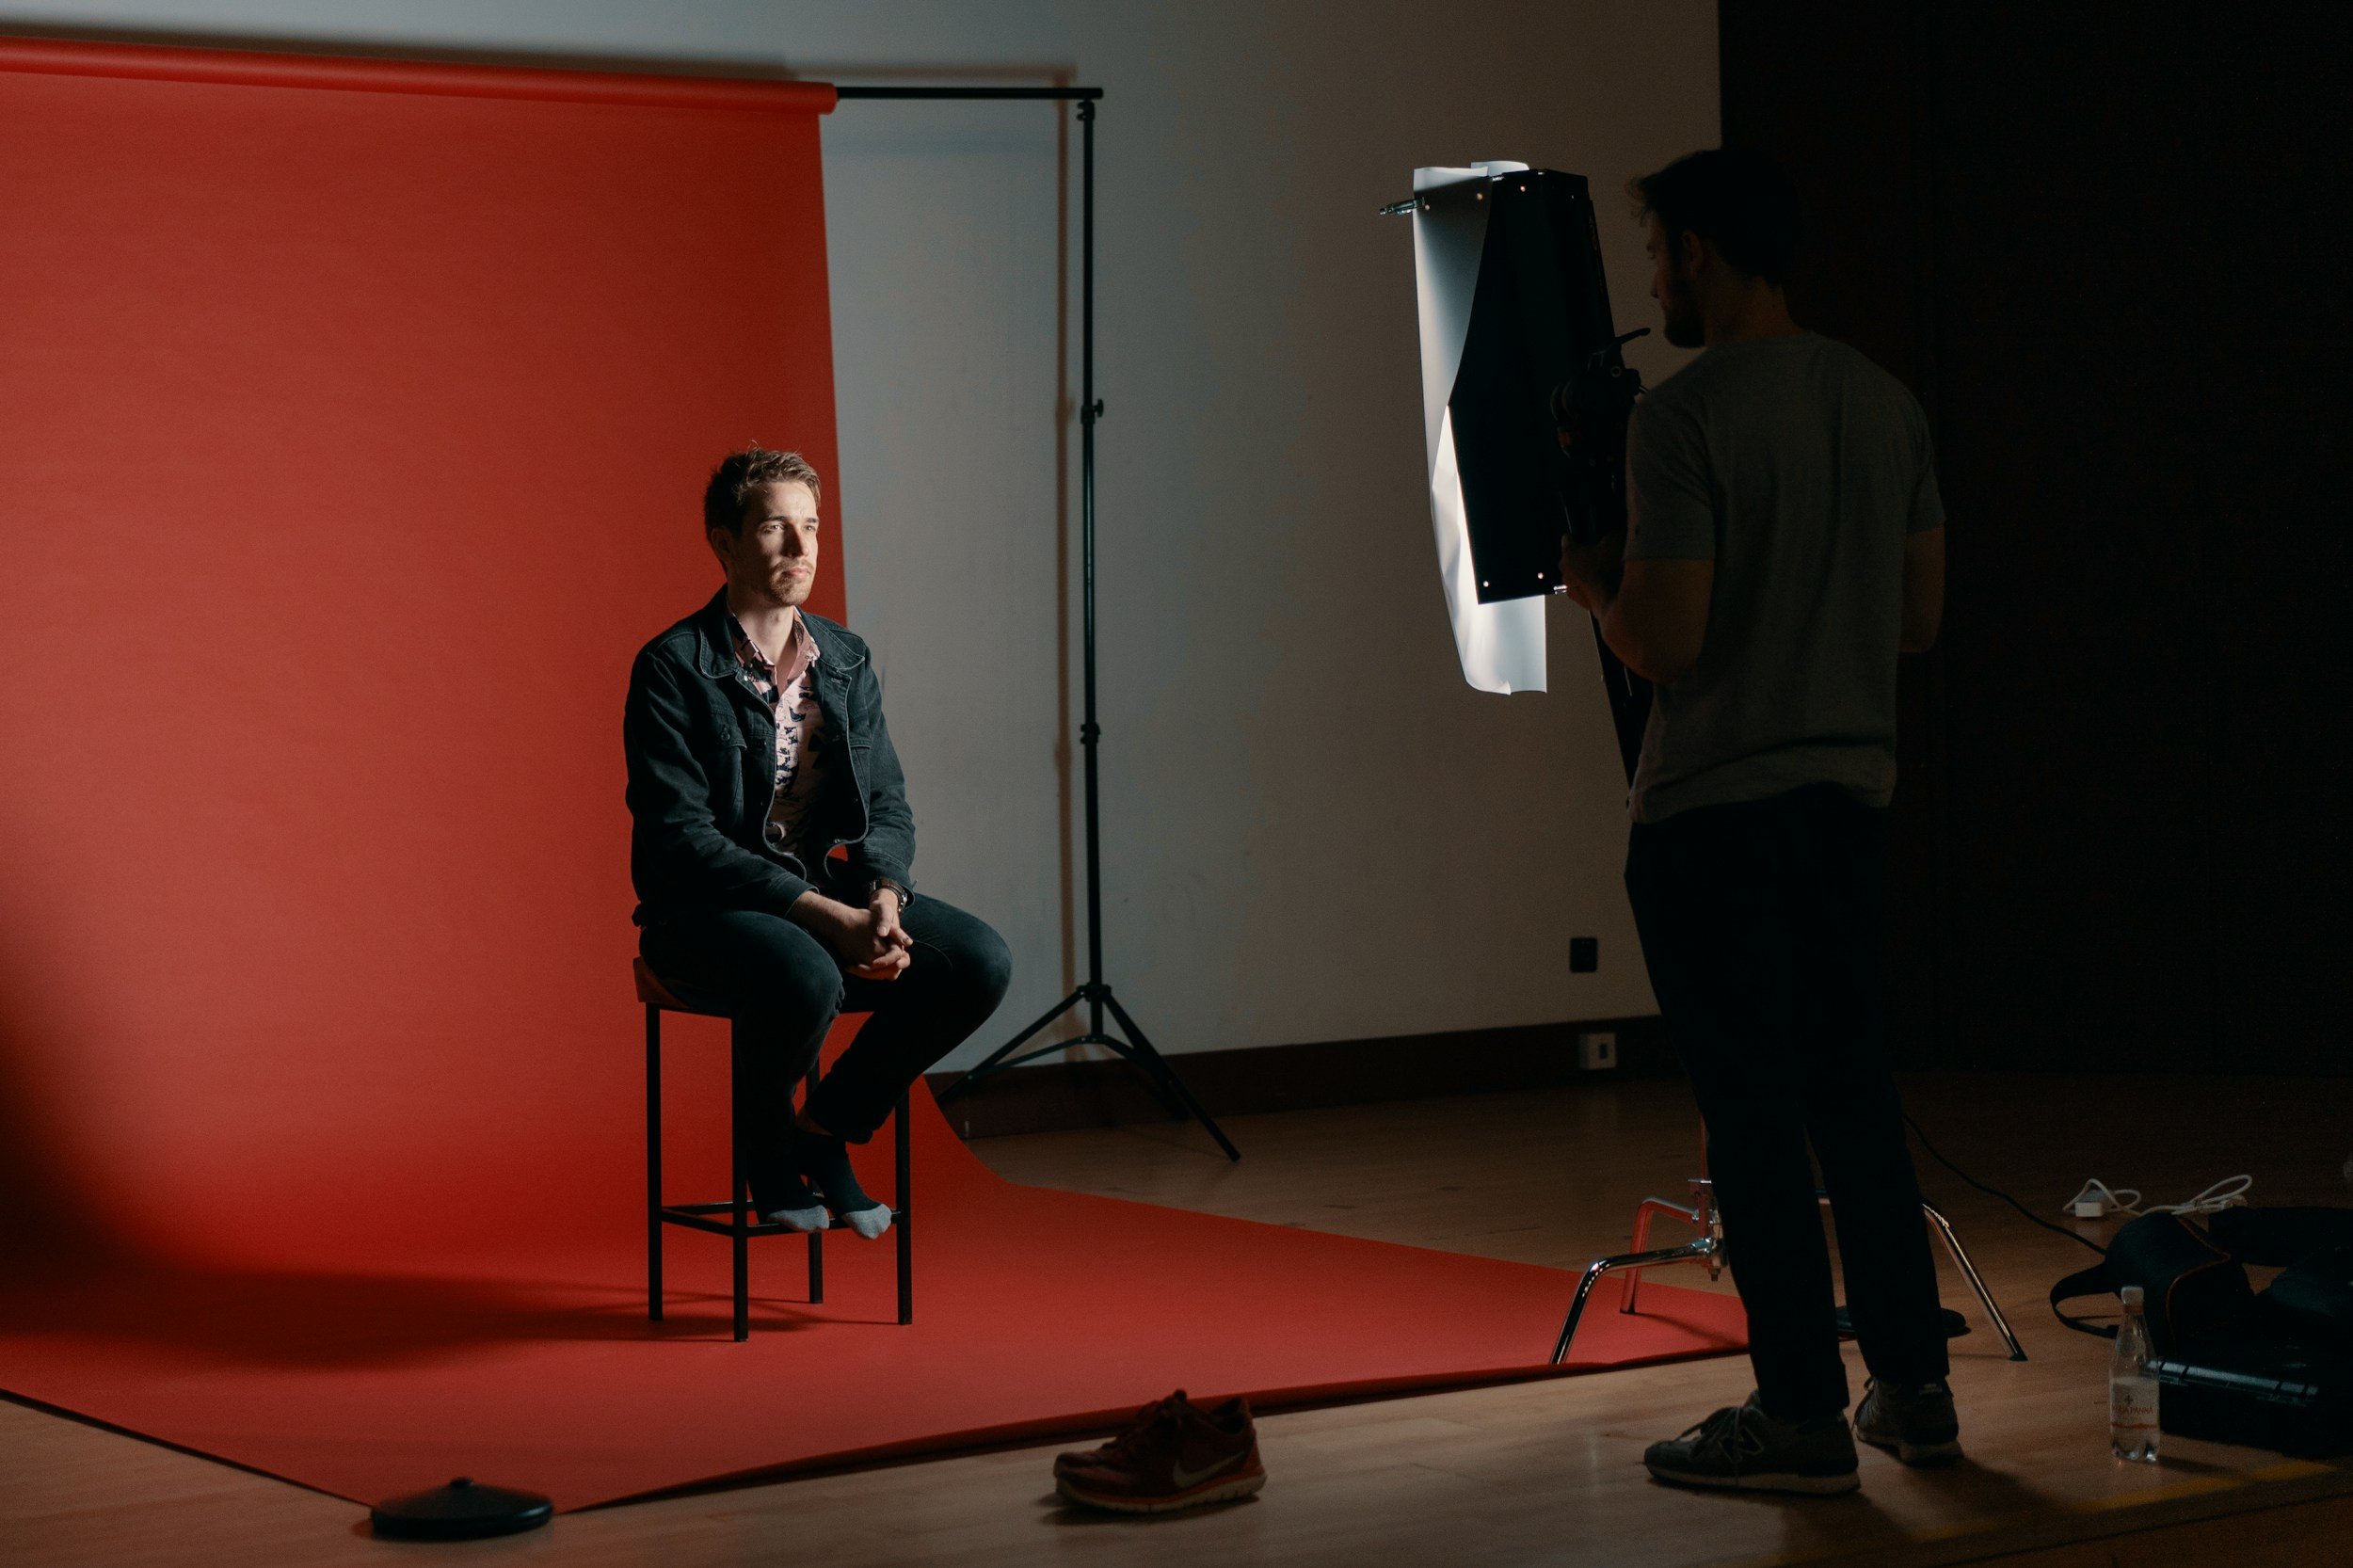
{"points": [[2192, 1289]]}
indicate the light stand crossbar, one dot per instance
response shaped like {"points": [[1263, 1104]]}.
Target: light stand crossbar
{"points": [[1135, 1049]]}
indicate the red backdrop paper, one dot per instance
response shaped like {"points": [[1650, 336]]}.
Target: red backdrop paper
{"points": [[353, 424], [353, 421]]}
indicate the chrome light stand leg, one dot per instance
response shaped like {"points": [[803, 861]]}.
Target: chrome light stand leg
{"points": [[1706, 1249], [1959, 1255], [1969, 1271]]}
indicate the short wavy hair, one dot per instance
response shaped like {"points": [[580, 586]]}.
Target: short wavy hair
{"points": [[742, 474], [1735, 199]]}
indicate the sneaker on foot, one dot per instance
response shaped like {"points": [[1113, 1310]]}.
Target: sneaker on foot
{"points": [[1176, 1455], [1743, 1447], [1915, 1423]]}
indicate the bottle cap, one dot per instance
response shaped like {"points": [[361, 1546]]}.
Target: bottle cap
{"points": [[2134, 1296]]}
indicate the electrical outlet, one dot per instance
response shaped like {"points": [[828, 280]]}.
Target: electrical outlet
{"points": [[1584, 954], [1597, 1050]]}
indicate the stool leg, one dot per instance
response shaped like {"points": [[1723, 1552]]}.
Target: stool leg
{"points": [[653, 1162], [742, 1211], [905, 1207], [816, 1238]]}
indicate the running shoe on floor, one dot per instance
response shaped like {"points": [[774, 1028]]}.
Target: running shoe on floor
{"points": [[1915, 1424], [1744, 1449], [1082, 1459], [1176, 1455]]}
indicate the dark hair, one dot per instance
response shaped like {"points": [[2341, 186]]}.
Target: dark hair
{"points": [[1735, 199], [739, 473]]}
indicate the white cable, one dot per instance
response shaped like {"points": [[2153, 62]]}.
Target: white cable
{"points": [[2229, 1193], [2098, 1199]]}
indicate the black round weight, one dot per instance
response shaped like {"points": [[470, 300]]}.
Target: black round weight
{"points": [[462, 1510]]}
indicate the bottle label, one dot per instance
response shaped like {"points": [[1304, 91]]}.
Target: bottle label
{"points": [[2133, 1405]]}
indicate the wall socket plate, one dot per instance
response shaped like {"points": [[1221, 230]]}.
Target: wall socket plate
{"points": [[1597, 1050], [1584, 954]]}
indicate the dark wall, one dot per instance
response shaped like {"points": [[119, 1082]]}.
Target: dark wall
{"points": [[2104, 244]]}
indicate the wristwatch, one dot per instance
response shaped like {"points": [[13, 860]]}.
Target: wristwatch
{"points": [[905, 897]]}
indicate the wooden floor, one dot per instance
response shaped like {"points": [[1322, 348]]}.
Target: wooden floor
{"points": [[1532, 1473]]}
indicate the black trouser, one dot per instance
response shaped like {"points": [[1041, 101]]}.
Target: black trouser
{"points": [[1761, 923], [784, 988]]}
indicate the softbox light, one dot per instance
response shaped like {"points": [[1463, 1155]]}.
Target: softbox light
{"points": [[1524, 399]]}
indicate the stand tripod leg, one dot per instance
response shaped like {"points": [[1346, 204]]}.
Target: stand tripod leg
{"points": [[1627, 1298], [1594, 1272], [997, 1058], [1155, 1063], [1154, 1081], [1691, 1251], [1969, 1270]]}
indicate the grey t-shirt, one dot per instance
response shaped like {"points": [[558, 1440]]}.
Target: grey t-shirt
{"points": [[1800, 468]]}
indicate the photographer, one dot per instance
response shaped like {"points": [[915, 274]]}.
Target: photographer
{"points": [[1784, 542]]}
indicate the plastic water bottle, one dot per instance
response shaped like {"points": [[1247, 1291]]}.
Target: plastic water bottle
{"points": [[2132, 1392]]}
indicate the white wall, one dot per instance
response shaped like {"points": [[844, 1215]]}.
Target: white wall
{"points": [[1312, 829]]}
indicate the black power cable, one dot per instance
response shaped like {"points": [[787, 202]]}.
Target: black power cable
{"points": [[1995, 1192]]}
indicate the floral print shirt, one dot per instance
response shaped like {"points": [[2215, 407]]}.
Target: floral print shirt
{"points": [[791, 695]]}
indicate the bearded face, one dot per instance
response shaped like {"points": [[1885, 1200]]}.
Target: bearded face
{"points": [[1671, 285]]}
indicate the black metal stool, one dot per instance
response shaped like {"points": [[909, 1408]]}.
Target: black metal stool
{"points": [[742, 1222]]}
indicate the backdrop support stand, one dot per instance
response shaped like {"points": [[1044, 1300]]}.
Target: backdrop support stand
{"points": [[1132, 1045]]}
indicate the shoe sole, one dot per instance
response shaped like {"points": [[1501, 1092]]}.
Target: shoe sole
{"points": [[1773, 1480], [1216, 1491], [1916, 1453]]}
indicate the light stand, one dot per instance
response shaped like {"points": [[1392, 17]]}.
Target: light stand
{"points": [[1096, 992]]}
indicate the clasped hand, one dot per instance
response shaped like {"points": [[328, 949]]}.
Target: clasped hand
{"points": [[870, 942]]}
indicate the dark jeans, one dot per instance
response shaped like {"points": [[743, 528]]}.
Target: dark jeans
{"points": [[783, 989], [1761, 923]]}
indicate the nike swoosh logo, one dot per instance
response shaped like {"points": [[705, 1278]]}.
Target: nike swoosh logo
{"points": [[1186, 1480]]}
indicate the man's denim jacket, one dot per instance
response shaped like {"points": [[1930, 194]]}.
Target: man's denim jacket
{"points": [[702, 771]]}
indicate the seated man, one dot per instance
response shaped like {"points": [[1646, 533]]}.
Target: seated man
{"points": [[756, 749]]}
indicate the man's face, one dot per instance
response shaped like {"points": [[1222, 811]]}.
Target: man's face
{"points": [[772, 557], [1671, 285]]}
